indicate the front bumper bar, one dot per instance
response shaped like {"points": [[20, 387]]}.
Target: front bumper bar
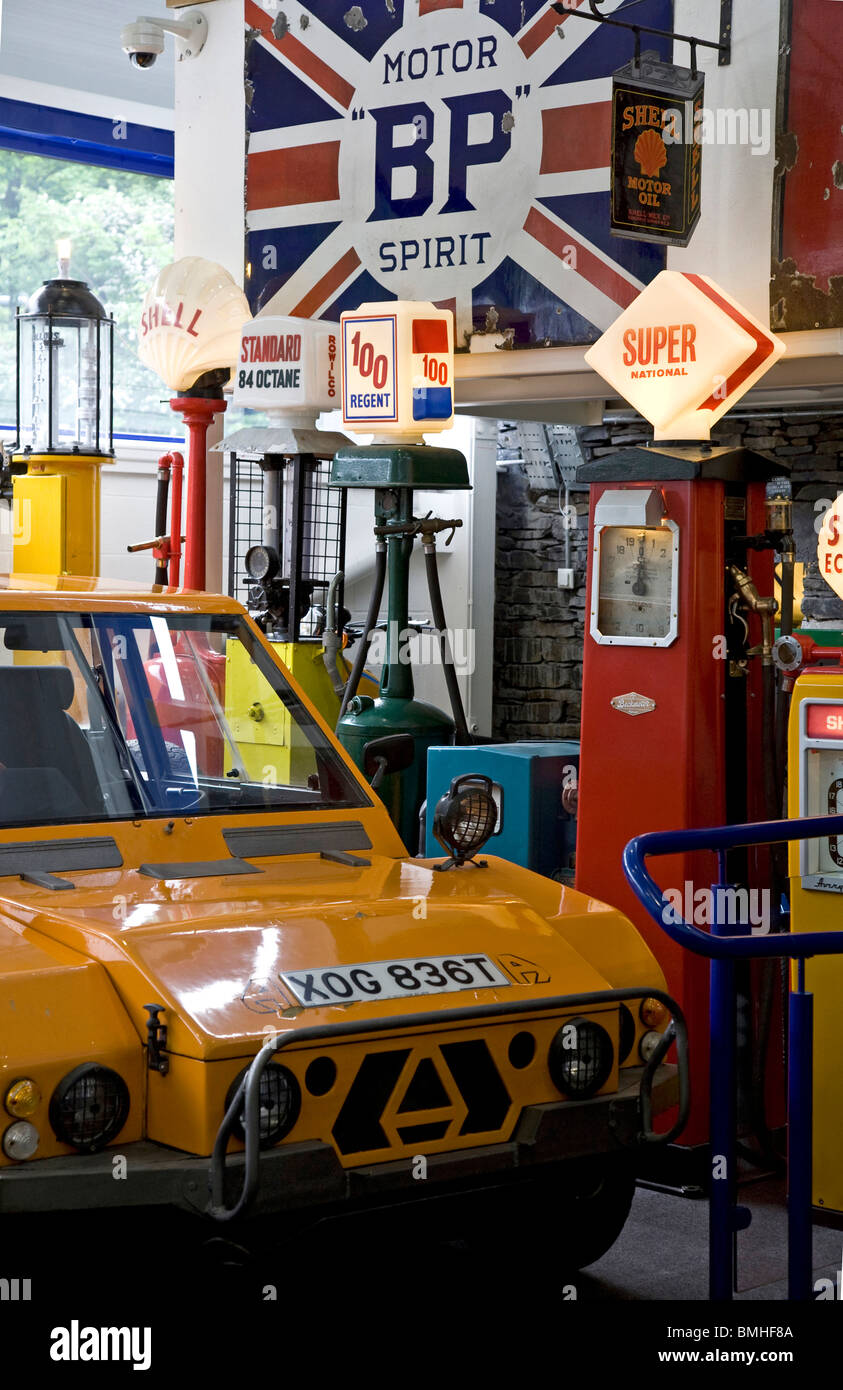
{"points": [[310, 1176], [246, 1100]]}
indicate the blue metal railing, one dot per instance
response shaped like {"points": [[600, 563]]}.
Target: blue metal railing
{"points": [[725, 1218]]}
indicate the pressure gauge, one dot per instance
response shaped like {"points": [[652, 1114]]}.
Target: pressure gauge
{"points": [[635, 584], [262, 563]]}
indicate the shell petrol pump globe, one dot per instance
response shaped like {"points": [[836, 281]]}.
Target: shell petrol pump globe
{"points": [[190, 321], [398, 370], [830, 547], [288, 367], [684, 353], [189, 333]]}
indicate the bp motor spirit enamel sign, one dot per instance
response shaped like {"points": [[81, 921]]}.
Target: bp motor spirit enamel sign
{"points": [[450, 151]]}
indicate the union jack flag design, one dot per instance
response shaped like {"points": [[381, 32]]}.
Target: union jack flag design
{"points": [[447, 150]]}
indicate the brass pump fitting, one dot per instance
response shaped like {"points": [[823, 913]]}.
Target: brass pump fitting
{"points": [[766, 608]]}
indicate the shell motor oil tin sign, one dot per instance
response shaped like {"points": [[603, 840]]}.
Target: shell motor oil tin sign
{"points": [[656, 152], [449, 151]]}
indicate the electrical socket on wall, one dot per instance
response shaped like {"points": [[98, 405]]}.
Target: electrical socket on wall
{"points": [[565, 578]]}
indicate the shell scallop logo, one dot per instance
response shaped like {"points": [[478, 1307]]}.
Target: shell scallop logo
{"points": [[650, 153], [190, 322]]}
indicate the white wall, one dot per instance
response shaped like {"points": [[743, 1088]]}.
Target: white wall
{"points": [[210, 145], [128, 515], [732, 243], [210, 140], [466, 568]]}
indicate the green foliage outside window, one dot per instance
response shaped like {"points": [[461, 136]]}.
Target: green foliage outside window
{"points": [[121, 227]]}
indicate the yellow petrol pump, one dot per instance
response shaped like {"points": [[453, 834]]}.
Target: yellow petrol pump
{"points": [[65, 421], [815, 788], [816, 885]]}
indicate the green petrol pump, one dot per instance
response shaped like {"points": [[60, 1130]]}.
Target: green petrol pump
{"points": [[394, 472], [397, 363]]}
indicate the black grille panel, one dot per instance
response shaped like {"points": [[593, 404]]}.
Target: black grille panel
{"points": [[459, 1069], [358, 1127], [480, 1084]]}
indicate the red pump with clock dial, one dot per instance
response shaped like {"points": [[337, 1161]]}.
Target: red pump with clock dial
{"points": [[672, 732]]}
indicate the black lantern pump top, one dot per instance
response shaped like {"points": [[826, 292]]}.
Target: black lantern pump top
{"points": [[65, 371]]}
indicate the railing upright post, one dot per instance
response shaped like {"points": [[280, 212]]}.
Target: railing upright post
{"points": [[800, 1082], [723, 1117]]}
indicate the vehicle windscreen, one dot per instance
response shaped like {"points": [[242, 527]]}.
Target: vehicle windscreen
{"points": [[116, 715]]}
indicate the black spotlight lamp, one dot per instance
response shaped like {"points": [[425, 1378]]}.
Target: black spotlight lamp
{"points": [[464, 819]]}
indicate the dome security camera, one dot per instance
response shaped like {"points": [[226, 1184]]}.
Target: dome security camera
{"points": [[144, 40]]}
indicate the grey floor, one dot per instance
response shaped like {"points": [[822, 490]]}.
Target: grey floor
{"points": [[662, 1252]]}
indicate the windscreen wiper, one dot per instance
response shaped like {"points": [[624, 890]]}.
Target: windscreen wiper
{"points": [[95, 674], [136, 787]]}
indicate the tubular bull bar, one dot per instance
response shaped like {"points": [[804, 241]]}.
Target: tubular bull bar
{"points": [[330, 1032]]}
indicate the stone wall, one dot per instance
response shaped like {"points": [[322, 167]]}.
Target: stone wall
{"points": [[539, 627]]}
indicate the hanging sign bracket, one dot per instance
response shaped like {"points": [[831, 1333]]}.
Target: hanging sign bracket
{"points": [[723, 47]]}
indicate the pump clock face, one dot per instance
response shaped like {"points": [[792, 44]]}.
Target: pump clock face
{"points": [[824, 788], [635, 585]]}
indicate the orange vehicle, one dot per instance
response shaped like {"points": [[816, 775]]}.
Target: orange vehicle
{"points": [[239, 988]]}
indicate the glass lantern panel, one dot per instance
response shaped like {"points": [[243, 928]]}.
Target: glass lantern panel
{"points": [[106, 421], [65, 379], [32, 393], [66, 343]]}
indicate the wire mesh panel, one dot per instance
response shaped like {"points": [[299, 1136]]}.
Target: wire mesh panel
{"points": [[323, 525], [287, 502], [245, 520]]}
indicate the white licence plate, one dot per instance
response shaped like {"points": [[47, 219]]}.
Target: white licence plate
{"points": [[393, 979]]}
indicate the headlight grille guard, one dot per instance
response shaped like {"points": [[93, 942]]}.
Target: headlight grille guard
{"points": [[676, 1031]]}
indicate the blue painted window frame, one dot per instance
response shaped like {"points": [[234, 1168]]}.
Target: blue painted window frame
{"points": [[56, 133]]}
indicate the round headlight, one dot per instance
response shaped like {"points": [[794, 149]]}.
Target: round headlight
{"points": [[279, 1104], [20, 1140], [262, 563], [465, 816], [580, 1058], [648, 1045], [89, 1107], [22, 1098]]}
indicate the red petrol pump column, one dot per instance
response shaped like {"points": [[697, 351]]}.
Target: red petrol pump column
{"points": [[691, 754], [198, 412]]}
